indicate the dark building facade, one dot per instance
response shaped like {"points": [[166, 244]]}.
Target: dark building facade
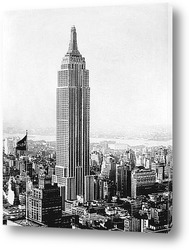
{"points": [[123, 181], [45, 205]]}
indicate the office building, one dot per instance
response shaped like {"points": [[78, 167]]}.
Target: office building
{"points": [[89, 188], [141, 181], [72, 120], [45, 204], [123, 180]]}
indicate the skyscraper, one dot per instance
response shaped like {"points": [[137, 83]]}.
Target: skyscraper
{"points": [[72, 118]]}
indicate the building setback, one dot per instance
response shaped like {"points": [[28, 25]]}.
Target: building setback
{"points": [[72, 119]]}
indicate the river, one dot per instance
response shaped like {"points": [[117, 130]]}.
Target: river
{"points": [[118, 141]]}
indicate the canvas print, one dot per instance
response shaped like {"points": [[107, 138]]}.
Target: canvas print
{"points": [[87, 118]]}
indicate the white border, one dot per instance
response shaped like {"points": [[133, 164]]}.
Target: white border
{"points": [[16, 237]]}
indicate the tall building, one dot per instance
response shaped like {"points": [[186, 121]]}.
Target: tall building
{"points": [[72, 118], [142, 181], [160, 171], [45, 204], [123, 180], [89, 188]]}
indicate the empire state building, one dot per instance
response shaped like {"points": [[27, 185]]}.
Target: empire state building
{"points": [[72, 120]]}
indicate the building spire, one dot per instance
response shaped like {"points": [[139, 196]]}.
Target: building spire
{"points": [[73, 43]]}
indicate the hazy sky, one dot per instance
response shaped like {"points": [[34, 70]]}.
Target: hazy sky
{"points": [[127, 51]]}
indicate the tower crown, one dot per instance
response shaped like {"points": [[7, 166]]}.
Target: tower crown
{"points": [[73, 50]]}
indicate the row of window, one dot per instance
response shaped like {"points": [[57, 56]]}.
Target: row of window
{"points": [[72, 66]]}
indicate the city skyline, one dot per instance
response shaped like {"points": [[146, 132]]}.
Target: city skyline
{"points": [[74, 181], [128, 60]]}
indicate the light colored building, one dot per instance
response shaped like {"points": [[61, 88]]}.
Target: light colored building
{"points": [[72, 128], [141, 178], [10, 145], [144, 224], [128, 224]]}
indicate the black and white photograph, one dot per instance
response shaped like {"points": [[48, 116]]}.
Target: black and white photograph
{"points": [[87, 118]]}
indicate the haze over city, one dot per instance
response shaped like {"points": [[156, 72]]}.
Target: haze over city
{"points": [[127, 55]]}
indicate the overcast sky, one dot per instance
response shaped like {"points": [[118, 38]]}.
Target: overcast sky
{"points": [[127, 51]]}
